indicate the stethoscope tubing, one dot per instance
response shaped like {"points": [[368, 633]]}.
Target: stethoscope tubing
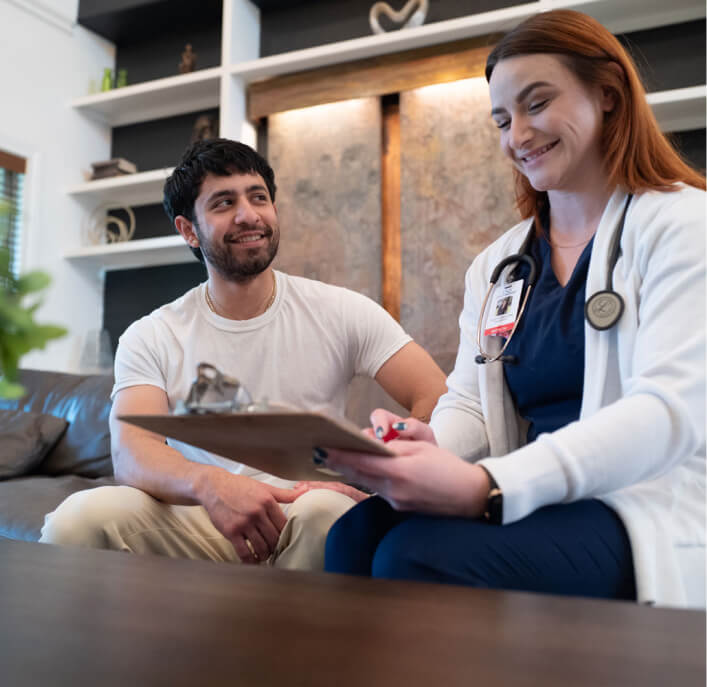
{"points": [[597, 306], [532, 264]]}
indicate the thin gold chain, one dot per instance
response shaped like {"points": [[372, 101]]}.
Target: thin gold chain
{"points": [[271, 300], [571, 245]]}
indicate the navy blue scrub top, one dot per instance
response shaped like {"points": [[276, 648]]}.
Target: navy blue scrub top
{"points": [[547, 380]]}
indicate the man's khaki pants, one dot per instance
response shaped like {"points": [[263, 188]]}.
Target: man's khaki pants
{"points": [[126, 519]]}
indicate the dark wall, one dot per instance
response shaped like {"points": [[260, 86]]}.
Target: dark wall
{"points": [[691, 145], [669, 56], [161, 54], [150, 35], [130, 294], [153, 145], [157, 143], [296, 25], [150, 221]]}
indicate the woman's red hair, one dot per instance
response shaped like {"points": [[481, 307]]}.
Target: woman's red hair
{"points": [[638, 155]]}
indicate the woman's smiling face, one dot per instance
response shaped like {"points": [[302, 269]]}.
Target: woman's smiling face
{"points": [[550, 122]]}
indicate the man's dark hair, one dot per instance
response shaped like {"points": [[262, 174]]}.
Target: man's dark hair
{"points": [[219, 156]]}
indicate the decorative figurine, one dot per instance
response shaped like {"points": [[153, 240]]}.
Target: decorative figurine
{"points": [[122, 79], [101, 228], [413, 14], [188, 63], [205, 127]]}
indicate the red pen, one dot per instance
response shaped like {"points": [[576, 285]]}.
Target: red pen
{"points": [[392, 434]]}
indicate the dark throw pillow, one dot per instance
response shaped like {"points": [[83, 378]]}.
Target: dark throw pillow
{"points": [[25, 439]]}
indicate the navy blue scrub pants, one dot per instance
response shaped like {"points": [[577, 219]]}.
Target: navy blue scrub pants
{"points": [[577, 549]]}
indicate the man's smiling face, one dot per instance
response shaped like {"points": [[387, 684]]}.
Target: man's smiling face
{"points": [[236, 223]]}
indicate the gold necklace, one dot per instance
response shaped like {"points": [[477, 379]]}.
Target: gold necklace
{"points": [[271, 300], [572, 245]]}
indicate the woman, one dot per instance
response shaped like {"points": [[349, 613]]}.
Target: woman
{"points": [[586, 446]]}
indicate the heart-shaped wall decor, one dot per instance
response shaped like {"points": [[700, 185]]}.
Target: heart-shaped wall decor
{"points": [[413, 14]]}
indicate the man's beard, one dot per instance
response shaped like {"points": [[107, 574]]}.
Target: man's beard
{"points": [[239, 268]]}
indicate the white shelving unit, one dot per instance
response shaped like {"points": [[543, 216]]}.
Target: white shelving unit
{"points": [[622, 16], [163, 250], [131, 189], [141, 102], [384, 44], [224, 86], [680, 109]]}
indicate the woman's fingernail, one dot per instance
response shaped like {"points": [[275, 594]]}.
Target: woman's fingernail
{"points": [[379, 432], [400, 426], [319, 456]]}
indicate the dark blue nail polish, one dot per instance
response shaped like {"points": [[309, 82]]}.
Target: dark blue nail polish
{"points": [[319, 456], [400, 426], [379, 432]]}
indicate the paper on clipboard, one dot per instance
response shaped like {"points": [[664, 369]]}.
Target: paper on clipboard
{"points": [[279, 443]]}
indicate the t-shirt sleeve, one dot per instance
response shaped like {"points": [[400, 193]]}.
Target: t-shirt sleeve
{"points": [[138, 358], [374, 336]]}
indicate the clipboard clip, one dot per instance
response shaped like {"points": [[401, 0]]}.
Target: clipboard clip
{"points": [[214, 392]]}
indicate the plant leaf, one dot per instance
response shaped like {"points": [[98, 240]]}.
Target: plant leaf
{"points": [[32, 281], [10, 390]]}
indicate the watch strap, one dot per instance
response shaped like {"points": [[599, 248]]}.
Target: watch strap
{"points": [[493, 512]]}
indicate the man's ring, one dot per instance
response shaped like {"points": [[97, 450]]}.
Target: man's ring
{"points": [[251, 549]]}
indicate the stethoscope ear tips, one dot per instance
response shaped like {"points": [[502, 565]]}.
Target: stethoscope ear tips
{"points": [[479, 360]]}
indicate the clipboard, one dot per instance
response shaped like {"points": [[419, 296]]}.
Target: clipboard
{"points": [[277, 442]]}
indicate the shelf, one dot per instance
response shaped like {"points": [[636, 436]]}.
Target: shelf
{"points": [[382, 44], [629, 15], [163, 250], [142, 188], [122, 22], [635, 15], [173, 95], [184, 93], [680, 109]]}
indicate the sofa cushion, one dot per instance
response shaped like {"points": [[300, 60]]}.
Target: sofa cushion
{"points": [[26, 500], [84, 402], [25, 439]]}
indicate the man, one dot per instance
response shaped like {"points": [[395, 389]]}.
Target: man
{"points": [[286, 338]]}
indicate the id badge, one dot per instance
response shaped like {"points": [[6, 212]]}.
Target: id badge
{"points": [[505, 301]]}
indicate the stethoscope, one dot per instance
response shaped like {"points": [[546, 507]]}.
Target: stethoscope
{"points": [[603, 309]]}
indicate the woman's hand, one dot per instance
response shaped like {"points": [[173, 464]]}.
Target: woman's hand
{"points": [[420, 477], [386, 426]]}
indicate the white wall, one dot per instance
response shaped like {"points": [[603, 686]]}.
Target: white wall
{"points": [[45, 61]]}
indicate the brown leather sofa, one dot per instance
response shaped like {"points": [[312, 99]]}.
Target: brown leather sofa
{"points": [[79, 460]]}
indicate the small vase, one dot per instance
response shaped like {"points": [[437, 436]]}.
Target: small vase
{"points": [[107, 81]]}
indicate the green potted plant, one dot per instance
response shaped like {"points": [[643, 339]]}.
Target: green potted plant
{"points": [[19, 333]]}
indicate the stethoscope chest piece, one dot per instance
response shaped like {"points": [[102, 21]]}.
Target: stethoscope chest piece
{"points": [[604, 309]]}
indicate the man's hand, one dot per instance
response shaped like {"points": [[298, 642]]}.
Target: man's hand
{"points": [[342, 488], [245, 511]]}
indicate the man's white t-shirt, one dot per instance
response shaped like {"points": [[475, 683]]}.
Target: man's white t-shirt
{"points": [[304, 350]]}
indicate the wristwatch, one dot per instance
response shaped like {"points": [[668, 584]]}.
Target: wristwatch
{"points": [[493, 512]]}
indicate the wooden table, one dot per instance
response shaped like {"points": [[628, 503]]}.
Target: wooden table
{"points": [[73, 617]]}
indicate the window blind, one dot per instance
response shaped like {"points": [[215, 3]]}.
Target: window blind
{"points": [[12, 176]]}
